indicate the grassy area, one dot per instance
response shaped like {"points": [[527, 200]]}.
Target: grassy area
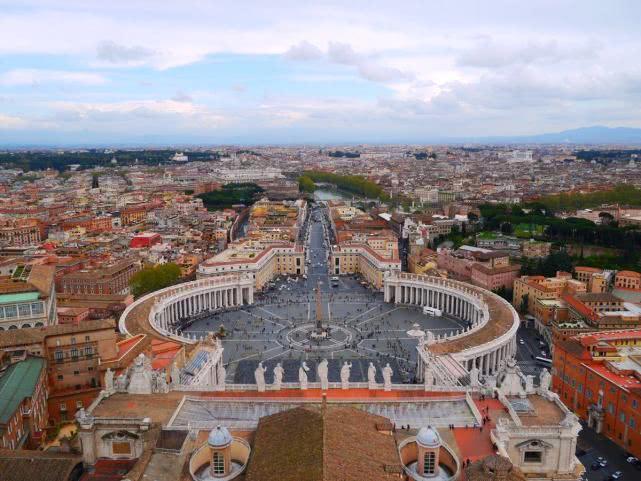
{"points": [[527, 230]]}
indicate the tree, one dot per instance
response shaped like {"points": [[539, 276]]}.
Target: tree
{"points": [[472, 217], [306, 184], [525, 301], [151, 279], [506, 228]]}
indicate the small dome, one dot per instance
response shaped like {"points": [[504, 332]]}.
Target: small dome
{"points": [[219, 437], [428, 438]]}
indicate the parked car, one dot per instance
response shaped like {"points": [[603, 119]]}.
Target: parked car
{"points": [[617, 475], [632, 460], [595, 466]]}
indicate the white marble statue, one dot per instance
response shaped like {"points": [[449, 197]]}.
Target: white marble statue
{"points": [[371, 376], [529, 384], [302, 375], [387, 377], [474, 375], [221, 374], [161, 383], [322, 371], [345, 371], [175, 375], [109, 381], [545, 379], [429, 379], [279, 372], [121, 383], [259, 375], [141, 380]]}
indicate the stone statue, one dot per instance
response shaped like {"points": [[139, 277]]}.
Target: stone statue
{"points": [[387, 377], [529, 384], [371, 376], [175, 375], [121, 383], [474, 375], [545, 380], [259, 375], [302, 375], [279, 372], [141, 380], [161, 383], [322, 372], [429, 379], [345, 371], [109, 381], [221, 374]]}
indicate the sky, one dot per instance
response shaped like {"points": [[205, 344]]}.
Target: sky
{"points": [[139, 72]]}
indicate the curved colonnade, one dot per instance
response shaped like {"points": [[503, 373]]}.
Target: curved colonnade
{"points": [[487, 341], [165, 309]]}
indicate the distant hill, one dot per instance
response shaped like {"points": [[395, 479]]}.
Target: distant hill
{"points": [[585, 135]]}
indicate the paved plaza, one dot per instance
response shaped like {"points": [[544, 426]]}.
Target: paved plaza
{"points": [[361, 326]]}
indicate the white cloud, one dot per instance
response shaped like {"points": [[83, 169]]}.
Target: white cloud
{"points": [[36, 77], [303, 51], [114, 53], [11, 122]]}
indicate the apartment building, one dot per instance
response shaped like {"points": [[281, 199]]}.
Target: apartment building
{"points": [[538, 288], [598, 376], [630, 280], [263, 261], [22, 232], [23, 403], [107, 279], [483, 267], [74, 353]]}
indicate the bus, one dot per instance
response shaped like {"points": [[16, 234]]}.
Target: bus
{"points": [[432, 311], [543, 361]]}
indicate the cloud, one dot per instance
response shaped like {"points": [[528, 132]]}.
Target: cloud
{"points": [[111, 52], [344, 54], [34, 77], [303, 51], [489, 53], [11, 122], [182, 97]]}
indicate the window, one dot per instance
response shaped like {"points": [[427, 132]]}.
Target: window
{"points": [[24, 310], [218, 463], [63, 406], [10, 311], [79, 404], [74, 353], [37, 308], [59, 356], [532, 456], [88, 351], [60, 377], [429, 460]]}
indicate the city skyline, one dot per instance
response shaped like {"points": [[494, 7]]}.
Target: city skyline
{"points": [[194, 73]]}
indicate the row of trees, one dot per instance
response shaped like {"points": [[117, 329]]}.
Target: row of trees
{"points": [[306, 184], [151, 279], [90, 158], [621, 194], [350, 183], [231, 194]]}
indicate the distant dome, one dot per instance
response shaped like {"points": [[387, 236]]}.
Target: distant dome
{"points": [[219, 437], [428, 438]]}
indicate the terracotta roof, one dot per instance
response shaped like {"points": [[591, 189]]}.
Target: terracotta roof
{"points": [[315, 444], [22, 465], [41, 278]]}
